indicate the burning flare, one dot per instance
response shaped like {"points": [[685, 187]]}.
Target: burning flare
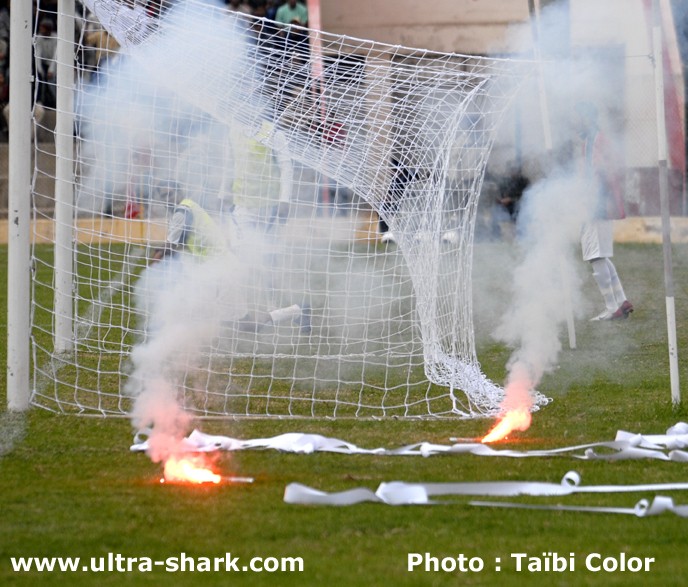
{"points": [[514, 420], [516, 405], [188, 469]]}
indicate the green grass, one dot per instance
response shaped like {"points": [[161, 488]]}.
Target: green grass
{"points": [[70, 487]]}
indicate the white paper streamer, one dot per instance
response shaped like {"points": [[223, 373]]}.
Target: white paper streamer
{"points": [[291, 442], [401, 493], [627, 445], [659, 505]]}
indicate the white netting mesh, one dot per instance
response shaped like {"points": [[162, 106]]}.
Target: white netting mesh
{"points": [[183, 104]]}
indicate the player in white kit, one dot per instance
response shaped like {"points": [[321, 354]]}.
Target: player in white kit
{"points": [[600, 172]]}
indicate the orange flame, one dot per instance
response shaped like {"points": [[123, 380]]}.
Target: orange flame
{"points": [[188, 469], [518, 419]]}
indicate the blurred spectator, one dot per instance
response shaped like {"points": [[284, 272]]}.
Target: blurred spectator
{"points": [[239, 6], [259, 10], [48, 10], [5, 20], [511, 188], [38, 114], [4, 71], [271, 9], [4, 82], [46, 63], [264, 33], [157, 8], [102, 47], [296, 40], [292, 12]]}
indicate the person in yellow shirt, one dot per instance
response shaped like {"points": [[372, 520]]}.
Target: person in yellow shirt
{"points": [[263, 177], [193, 230]]}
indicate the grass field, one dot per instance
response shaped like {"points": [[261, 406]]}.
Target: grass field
{"points": [[69, 486]]}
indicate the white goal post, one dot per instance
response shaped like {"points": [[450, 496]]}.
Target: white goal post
{"points": [[292, 144]]}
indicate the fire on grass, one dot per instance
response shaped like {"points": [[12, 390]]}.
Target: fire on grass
{"points": [[190, 468], [515, 420], [517, 404], [194, 469]]}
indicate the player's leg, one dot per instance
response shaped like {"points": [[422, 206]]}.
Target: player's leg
{"points": [[597, 242], [603, 278], [624, 307]]}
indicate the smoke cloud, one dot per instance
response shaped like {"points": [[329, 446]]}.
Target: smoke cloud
{"points": [[185, 304], [547, 283], [141, 137]]}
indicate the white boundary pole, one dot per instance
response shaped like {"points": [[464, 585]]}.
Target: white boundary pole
{"points": [[64, 180], [19, 213], [664, 203]]}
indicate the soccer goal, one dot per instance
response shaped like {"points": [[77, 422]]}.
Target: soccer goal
{"points": [[295, 146]]}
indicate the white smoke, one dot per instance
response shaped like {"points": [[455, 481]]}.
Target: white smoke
{"points": [[136, 106], [546, 282], [185, 303], [140, 133], [546, 288]]}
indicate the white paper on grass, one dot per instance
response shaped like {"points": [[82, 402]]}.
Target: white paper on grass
{"points": [[644, 508], [295, 442], [401, 493], [627, 445]]}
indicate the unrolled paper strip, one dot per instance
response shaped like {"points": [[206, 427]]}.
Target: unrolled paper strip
{"points": [[400, 493], [659, 505], [626, 445]]}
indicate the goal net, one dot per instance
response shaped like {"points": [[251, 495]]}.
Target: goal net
{"points": [[229, 179]]}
